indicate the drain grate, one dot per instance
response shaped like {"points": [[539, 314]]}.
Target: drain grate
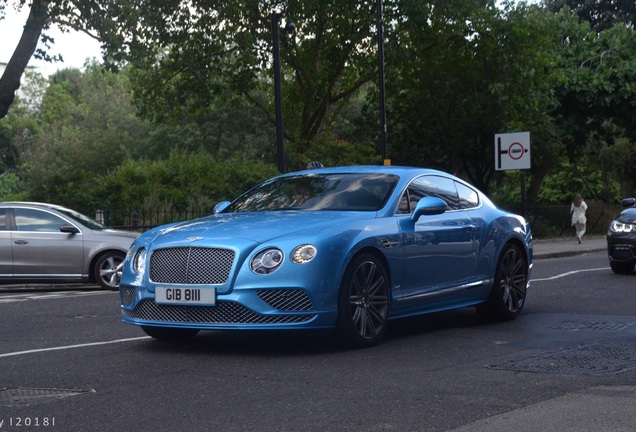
{"points": [[23, 396], [595, 360], [592, 325]]}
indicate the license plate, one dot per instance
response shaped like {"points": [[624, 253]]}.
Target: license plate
{"points": [[187, 296]]}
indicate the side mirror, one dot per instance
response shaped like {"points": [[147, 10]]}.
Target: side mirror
{"points": [[69, 229], [628, 202], [428, 206], [221, 206]]}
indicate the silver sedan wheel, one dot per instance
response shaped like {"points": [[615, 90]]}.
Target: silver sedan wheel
{"points": [[108, 270]]}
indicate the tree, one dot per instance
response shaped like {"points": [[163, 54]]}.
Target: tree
{"points": [[601, 92], [67, 14], [188, 54], [458, 72], [601, 14], [19, 128], [87, 127]]}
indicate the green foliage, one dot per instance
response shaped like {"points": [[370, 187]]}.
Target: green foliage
{"points": [[10, 186], [191, 57], [189, 118], [87, 126], [337, 153], [601, 14], [181, 181], [463, 71]]}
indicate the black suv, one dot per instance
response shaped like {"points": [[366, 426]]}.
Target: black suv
{"points": [[621, 239]]}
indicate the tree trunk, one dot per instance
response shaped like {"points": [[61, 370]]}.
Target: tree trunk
{"points": [[536, 180], [10, 80]]}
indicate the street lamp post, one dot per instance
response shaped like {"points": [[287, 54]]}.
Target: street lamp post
{"points": [[278, 98], [383, 142]]}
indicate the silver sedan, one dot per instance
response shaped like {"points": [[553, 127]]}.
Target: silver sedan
{"points": [[46, 243]]}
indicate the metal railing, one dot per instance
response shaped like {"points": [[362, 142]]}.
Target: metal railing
{"points": [[142, 220]]}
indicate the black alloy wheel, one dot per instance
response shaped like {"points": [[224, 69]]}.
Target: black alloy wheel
{"points": [[508, 293], [364, 302]]}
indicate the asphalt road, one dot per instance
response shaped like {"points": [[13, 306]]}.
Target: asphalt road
{"points": [[568, 363]]}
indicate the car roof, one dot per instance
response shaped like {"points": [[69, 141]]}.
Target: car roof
{"points": [[32, 204], [380, 169]]}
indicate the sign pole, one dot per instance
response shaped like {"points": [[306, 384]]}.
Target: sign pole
{"points": [[523, 193]]}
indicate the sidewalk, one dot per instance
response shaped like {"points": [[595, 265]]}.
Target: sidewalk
{"points": [[568, 246]]}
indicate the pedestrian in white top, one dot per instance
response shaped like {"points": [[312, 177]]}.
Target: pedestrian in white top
{"points": [[577, 212]]}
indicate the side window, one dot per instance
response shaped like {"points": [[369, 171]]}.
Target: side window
{"points": [[429, 186], [3, 219], [468, 198], [36, 220]]}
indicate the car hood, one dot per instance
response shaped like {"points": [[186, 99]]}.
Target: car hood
{"points": [[627, 215], [109, 232], [256, 227]]}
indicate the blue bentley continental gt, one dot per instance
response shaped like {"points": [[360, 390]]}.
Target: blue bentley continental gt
{"points": [[346, 248]]}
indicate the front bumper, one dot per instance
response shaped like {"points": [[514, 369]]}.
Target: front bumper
{"points": [[248, 309], [621, 247]]}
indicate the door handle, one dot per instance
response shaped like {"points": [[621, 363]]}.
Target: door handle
{"points": [[21, 242]]}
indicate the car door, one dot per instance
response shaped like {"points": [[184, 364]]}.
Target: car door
{"points": [[41, 250], [440, 251], [6, 255]]}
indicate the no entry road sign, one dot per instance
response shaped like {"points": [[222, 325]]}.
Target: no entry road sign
{"points": [[512, 151]]}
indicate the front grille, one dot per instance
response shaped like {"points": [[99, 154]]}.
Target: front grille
{"points": [[223, 313], [191, 265], [286, 299], [127, 294], [622, 252]]}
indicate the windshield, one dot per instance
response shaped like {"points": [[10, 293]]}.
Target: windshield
{"points": [[343, 192], [84, 220]]}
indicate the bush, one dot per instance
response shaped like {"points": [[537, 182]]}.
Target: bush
{"points": [[184, 182]]}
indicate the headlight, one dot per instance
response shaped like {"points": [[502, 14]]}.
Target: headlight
{"points": [[267, 261], [303, 254], [620, 227], [129, 254], [139, 259]]}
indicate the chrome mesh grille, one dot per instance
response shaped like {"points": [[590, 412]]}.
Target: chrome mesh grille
{"points": [[191, 265], [286, 299], [127, 294], [223, 313]]}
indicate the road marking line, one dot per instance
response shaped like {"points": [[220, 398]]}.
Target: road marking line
{"points": [[17, 353], [11, 298], [567, 274]]}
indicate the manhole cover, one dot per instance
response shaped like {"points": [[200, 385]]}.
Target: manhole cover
{"points": [[23, 396], [595, 360]]}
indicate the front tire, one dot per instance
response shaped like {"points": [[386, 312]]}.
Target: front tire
{"points": [[622, 267], [508, 293], [363, 305], [108, 269]]}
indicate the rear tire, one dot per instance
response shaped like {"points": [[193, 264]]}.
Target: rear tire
{"points": [[170, 334], [508, 293], [363, 305]]}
